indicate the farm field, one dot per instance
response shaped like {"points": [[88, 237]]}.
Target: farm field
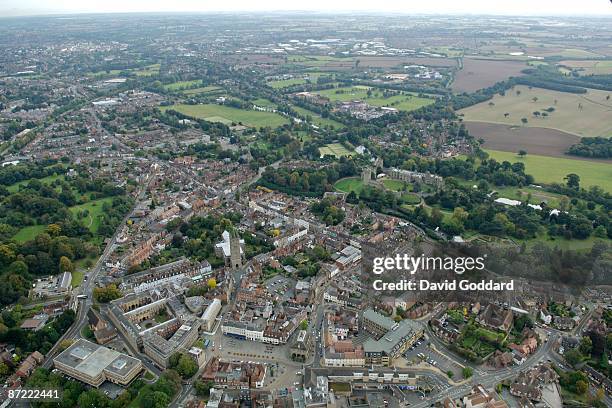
{"points": [[264, 102], [478, 73], [94, 210], [284, 83], [554, 169], [590, 67], [182, 85], [519, 102], [404, 102], [334, 149], [508, 138], [229, 115], [28, 233], [316, 118]]}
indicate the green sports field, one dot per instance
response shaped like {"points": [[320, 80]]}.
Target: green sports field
{"points": [[553, 169], [334, 149], [229, 115], [177, 86], [404, 102]]}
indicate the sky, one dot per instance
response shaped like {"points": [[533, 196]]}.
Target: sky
{"points": [[500, 7]]}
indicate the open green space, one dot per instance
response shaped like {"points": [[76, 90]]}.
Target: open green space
{"points": [[29, 233], [405, 101], [77, 277], [316, 118], [396, 185], [148, 70], [334, 149], [349, 184], [45, 180], [553, 169], [209, 90], [580, 114], [182, 85], [266, 103], [228, 115], [93, 211]]}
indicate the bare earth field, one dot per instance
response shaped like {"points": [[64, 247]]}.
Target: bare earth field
{"points": [[540, 141], [580, 114], [477, 74]]}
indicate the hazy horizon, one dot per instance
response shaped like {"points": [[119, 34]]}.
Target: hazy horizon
{"points": [[602, 8]]}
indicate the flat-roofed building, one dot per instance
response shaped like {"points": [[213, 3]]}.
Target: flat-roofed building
{"points": [[93, 364], [210, 314]]}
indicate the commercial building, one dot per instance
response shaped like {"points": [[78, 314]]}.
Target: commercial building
{"points": [[160, 350], [93, 364], [210, 314], [392, 342]]}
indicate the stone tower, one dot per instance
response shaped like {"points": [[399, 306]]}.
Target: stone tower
{"points": [[235, 251]]}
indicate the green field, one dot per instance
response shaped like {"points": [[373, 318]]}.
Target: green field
{"points": [[77, 278], [395, 185], [148, 70], [45, 180], [29, 233], [182, 85], [284, 83], [334, 149], [592, 120], [203, 90], [229, 115], [349, 184], [266, 103], [94, 208], [553, 169], [404, 102], [316, 118]]}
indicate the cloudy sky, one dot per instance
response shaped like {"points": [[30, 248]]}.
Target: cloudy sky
{"points": [[512, 7]]}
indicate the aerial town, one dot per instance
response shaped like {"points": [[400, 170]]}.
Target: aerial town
{"points": [[190, 206]]}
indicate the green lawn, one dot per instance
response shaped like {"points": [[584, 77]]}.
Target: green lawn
{"points": [[94, 208], [316, 118], [45, 180], [349, 184], [395, 185], [404, 102], [266, 103], [334, 149], [29, 233], [182, 85], [77, 278], [553, 169], [228, 115]]}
